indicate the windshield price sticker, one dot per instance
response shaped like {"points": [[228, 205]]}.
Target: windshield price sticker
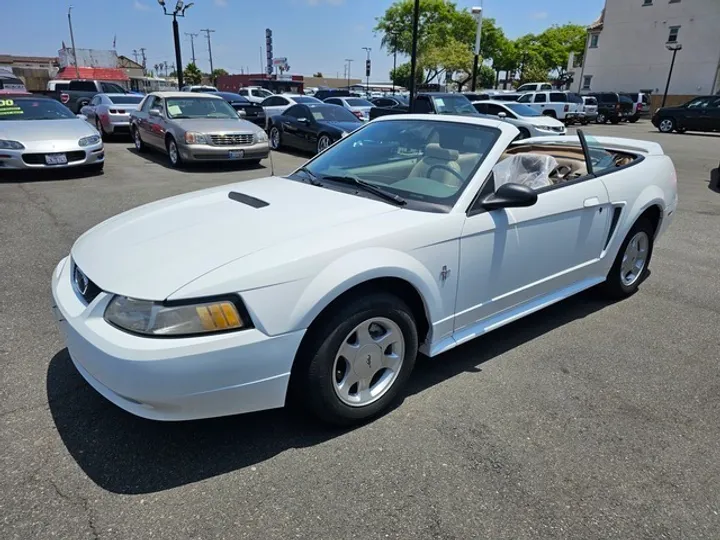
{"points": [[7, 107], [174, 109]]}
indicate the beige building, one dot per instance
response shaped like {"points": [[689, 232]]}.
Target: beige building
{"points": [[330, 82]]}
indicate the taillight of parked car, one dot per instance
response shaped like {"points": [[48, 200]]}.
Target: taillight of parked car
{"points": [[64, 98], [359, 114]]}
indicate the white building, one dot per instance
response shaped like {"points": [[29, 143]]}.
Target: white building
{"points": [[627, 49]]}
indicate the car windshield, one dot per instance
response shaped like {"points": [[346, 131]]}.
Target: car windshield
{"points": [[306, 100], [199, 107], [356, 102], [33, 109], [454, 105], [427, 163], [333, 113], [126, 99], [522, 110]]}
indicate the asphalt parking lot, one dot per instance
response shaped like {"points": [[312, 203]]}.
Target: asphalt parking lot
{"points": [[585, 421]]}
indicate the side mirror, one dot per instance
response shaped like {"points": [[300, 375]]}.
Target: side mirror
{"points": [[510, 196], [82, 117], [304, 121], [502, 115], [154, 112]]}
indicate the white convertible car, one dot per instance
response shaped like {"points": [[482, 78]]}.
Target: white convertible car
{"points": [[414, 233]]}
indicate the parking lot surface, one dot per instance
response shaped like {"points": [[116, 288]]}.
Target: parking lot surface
{"points": [[585, 421]]}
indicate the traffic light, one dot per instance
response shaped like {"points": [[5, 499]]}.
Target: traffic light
{"points": [[367, 68]]}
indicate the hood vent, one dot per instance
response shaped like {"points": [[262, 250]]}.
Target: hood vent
{"points": [[247, 199]]}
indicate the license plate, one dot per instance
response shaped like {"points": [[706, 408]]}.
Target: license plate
{"points": [[55, 159], [236, 154]]}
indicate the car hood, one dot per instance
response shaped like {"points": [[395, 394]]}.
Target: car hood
{"points": [[215, 125], [154, 250], [348, 127], [29, 131]]}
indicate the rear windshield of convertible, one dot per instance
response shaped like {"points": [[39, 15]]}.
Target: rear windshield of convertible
{"points": [[427, 163]]}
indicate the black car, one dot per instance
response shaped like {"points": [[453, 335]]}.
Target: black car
{"points": [[322, 95], [700, 114], [432, 103], [393, 102], [613, 107], [311, 127], [252, 112]]}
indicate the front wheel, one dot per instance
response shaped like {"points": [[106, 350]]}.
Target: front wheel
{"points": [[173, 153], [601, 118], [667, 125], [358, 359], [275, 138], [632, 262], [633, 119], [323, 143]]}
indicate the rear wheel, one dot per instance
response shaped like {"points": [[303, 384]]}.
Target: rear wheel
{"points": [[139, 144], [632, 262], [615, 120], [358, 359], [633, 119], [666, 125]]}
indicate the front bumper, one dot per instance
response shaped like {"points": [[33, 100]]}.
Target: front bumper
{"points": [[34, 158], [206, 152], [172, 379]]}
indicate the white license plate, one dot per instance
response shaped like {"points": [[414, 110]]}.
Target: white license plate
{"points": [[55, 159], [236, 154]]}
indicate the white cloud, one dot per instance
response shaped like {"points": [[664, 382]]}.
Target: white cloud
{"points": [[140, 6], [539, 15], [221, 3]]}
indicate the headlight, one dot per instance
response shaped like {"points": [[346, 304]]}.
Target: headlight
{"points": [[192, 137], [177, 319], [88, 141], [261, 136], [540, 126], [11, 145]]}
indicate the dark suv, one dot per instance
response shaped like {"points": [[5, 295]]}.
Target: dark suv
{"points": [[612, 107]]}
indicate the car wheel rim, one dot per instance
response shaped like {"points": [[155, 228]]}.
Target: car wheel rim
{"points": [[172, 151], [601, 118], [323, 143], [275, 138], [634, 258], [666, 125], [368, 362], [138, 142]]}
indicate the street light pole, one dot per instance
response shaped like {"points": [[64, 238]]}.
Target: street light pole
{"points": [[413, 55], [72, 42], [349, 64], [477, 13], [674, 47], [179, 11], [367, 71]]}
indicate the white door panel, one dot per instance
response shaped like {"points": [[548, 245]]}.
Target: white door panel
{"points": [[511, 256]]}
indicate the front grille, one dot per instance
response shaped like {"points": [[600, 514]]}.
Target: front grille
{"points": [[39, 159], [83, 285], [232, 139]]}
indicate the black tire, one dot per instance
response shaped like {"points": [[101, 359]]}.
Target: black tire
{"points": [[585, 122], [614, 121], [524, 134], [633, 119], [324, 138], [139, 144], [174, 157], [275, 136], [680, 130], [614, 287], [601, 118], [667, 125], [313, 375]]}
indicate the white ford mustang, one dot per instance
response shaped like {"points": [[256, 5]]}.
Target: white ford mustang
{"points": [[414, 233]]}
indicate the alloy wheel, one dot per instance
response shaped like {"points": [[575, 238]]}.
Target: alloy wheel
{"points": [[173, 152], [368, 362], [323, 143], [635, 258], [275, 138], [666, 125]]}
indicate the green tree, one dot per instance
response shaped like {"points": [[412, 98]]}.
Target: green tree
{"points": [[219, 72], [318, 74], [485, 78], [401, 76], [192, 74], [557, 42], [507, 59], [533, 72]]}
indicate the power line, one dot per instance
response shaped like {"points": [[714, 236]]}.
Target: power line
{"points": [[209, 31]]}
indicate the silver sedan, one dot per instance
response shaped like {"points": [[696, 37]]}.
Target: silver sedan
{"points": [[41, 133], [110, 113], [196, 127]]}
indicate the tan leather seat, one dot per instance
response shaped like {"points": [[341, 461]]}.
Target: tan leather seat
{"points": [[441, 159]]}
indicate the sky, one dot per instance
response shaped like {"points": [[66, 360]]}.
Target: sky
{"points": [[314, 35]]}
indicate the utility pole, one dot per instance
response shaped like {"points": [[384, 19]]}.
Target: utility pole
{"points": [[208, 31], [144, 58], [135, 55], [349, 65], [192, 44], [166, 66], [72, 42]]}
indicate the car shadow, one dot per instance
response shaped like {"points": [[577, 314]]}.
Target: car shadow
{"points": [[161, 159], [46, 175], [714, 184], [125, 454]]}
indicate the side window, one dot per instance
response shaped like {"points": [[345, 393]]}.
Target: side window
{"points": [[482, 108], [540, 98], [495, 110], [159, 104], [699, 103], [296, 111], [423, 105], [148, 104], [525, 98], [384, 103], [334, 101], [82, 86], [526, 88], [546, 87], [273, 102], [243, 92], [715, 104], [558, 97]]}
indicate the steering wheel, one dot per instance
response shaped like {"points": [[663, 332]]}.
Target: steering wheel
{"points": [[448, 169]]}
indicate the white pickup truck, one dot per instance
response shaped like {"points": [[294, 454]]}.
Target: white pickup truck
{"points": [[555, 104]]}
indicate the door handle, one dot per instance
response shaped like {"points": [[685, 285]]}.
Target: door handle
{"points": [[591, 202]]}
